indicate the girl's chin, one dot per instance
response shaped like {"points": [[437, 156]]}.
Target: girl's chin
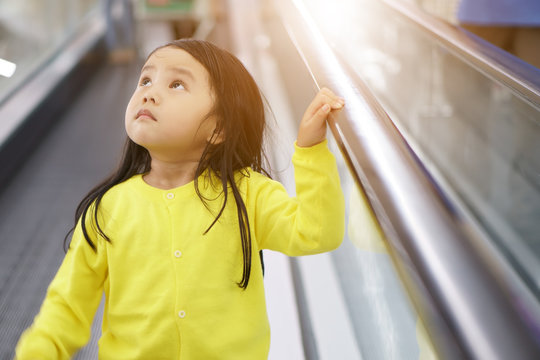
{"points": [[140, 141], [138, 135]]}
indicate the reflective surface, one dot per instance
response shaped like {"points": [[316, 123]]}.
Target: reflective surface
{"points": [[385, 323], [480, 140], [380, 320], [31, 32]]}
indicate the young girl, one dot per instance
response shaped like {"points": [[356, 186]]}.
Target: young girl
{"points": [[172, 236]]}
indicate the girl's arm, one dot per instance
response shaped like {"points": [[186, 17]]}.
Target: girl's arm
{"points": [[314, 220], [63, 323]]}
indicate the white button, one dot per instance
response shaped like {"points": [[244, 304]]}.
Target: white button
{"points": [[181, 314], [177, 253], [170, 196]]}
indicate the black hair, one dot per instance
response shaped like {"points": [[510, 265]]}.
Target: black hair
{"points": [[240, 123]]}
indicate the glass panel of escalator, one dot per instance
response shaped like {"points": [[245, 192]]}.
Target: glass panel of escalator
{"points": [[31, 32], [384, 321]]}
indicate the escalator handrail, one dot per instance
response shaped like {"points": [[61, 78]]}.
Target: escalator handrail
{"points": [[466, 308], [488, 58]]}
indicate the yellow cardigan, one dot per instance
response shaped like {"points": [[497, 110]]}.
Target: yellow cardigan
{"points": [[171, 292]]}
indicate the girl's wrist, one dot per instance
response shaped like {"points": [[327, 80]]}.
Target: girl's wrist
{"points": [[305, 144], [320, 144]]}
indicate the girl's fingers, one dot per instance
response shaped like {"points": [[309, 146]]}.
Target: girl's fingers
{"points": [[324, 96], [320, 116], [333, 102], [324, 110], [313, 125], [333, 99]]}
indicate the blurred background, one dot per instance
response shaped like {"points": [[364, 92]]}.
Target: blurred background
{"points": [[438, 151]]}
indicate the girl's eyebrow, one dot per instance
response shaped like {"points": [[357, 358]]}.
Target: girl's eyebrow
{"points": [[179, 70]]}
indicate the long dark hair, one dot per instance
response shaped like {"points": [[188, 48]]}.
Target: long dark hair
{"points": [[239, 111]]}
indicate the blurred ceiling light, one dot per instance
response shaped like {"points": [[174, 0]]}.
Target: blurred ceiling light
{"points": [[7, 68]]}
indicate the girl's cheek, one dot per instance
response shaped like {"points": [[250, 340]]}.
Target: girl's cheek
{"points": [[130, 106], [129, 113]]}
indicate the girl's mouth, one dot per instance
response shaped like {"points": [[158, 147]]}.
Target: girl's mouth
{"points": [[146, 113]]}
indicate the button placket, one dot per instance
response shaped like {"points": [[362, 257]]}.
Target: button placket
{"points": [[169, 198]]}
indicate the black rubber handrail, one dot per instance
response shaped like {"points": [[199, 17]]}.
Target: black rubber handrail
{"points": [[467, 310]]}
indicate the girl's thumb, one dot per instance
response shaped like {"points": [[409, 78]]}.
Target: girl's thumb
{"points": [[323, 112], [320, 115]]}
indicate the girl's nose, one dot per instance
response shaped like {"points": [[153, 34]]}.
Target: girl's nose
{"points": [[149, 97]]}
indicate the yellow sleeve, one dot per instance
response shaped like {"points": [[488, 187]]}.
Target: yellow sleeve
{"points": [[63, 323], [313, 221]]}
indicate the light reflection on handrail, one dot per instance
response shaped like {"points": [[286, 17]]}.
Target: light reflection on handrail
{"points": [[473, 316]]}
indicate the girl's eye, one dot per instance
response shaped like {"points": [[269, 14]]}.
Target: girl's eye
{"points": [[177, 85], [145, 82]]}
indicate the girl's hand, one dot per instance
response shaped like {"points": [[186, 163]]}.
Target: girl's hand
{"points": [[313, 126]]}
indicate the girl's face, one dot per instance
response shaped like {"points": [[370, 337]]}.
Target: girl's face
{"points": [[167, 112]]}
